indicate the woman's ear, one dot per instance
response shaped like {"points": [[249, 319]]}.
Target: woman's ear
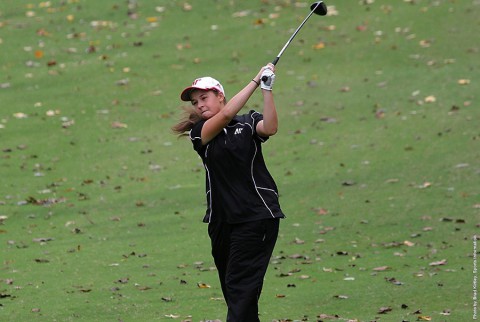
{"points": [[221, 97]]}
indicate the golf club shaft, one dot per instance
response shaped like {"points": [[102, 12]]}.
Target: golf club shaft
{"points": [[275, 61]]}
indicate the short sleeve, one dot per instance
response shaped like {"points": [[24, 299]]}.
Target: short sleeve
{"points": [[196, 136], [257, 117]]}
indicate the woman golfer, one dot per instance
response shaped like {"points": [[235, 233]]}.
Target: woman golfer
{"points": [[243, 211]]}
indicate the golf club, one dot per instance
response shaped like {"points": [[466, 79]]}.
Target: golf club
{"points": [[318, 8]]}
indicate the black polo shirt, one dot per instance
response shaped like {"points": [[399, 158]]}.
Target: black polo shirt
{"points": [[239, 187]]}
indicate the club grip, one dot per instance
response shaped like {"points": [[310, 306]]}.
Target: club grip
{"points": [[274, 62]]}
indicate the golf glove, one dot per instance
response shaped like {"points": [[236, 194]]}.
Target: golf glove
{"points": [[268, 78]]}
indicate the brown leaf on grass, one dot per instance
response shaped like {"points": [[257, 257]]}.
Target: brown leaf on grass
{"points": [[430, 99], [408, 243], [119, 125], [298, 241], [20, 115], [438, 263], [44, 202], [384, 310], [341, 297], [361, 27], [424, 318], [284, 274], [259, 22], [123, 280], [325, 230], [319, 45], [425, 185], [393, 280], [326, 316], [321, 211], [446, 312], [85, 290], [203, 285], [446, 219], [38, 54], [42, 260], [144, 288], [296, 256], [381, 268], [42, 239], [240, 14], [172, 316]]}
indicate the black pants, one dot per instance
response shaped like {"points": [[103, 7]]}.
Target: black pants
{"points": [[242, 253]]}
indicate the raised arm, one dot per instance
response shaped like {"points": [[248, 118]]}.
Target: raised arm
{"points": [[214, 125], [269, 125]]}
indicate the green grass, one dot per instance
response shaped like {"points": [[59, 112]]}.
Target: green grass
{"points": [[396, 176]]}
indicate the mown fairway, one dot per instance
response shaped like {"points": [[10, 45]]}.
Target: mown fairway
{"points": [[377, 158]]}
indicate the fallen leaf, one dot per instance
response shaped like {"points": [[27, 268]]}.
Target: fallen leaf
{"points": [[425, 43], [341, 297], [326, 316], [259, 22], [381, 268], [38, 54], [361, 28], [445, 312], [438, 263], [319, 45], [119, 125], [20, 115], [384, 310], [42, 239], [425, 185], [321, 211], [203, 285], [123, 280], [146, 288], [408, 243], [298, 241], [393, 280], [241, 14]]}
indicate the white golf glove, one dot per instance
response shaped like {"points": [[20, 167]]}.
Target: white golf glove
{"points": [[267, 79]]}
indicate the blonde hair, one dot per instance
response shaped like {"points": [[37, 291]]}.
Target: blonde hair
{"points": [[190, 117]]}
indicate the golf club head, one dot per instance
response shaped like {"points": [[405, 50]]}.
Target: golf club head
{"points": [[319, 8]]}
